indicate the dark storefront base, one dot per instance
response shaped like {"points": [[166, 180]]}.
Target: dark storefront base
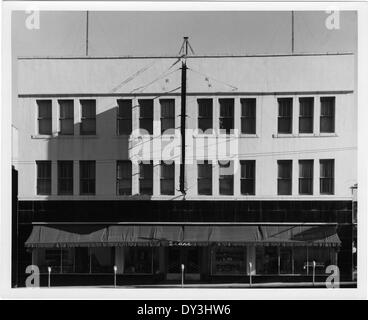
{"points": [[181, 211]]}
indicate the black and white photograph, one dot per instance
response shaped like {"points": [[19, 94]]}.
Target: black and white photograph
{"points": [[181, 149]]}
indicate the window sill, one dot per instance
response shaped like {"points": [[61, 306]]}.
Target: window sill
{"points": [[304, 135], [248, 135]]}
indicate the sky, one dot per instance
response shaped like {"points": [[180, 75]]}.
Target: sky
{"points": [[161, 33]]}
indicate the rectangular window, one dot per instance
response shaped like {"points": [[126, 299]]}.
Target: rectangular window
{"points": [[65, 177], [124, 177], [204, 178], [305, 176], [167, 115], [284, 180], [205, 114], [285, 118], [229, 260], [88, 119], [87, 173], [146, 178], [226, 115], [226, 177], [248, 116], [306, 106], [124, 116], [44, 116], [146, 115], [326, 183], [43, 177], [167, 181], [327, 121], [248, 177], [66, 117]]}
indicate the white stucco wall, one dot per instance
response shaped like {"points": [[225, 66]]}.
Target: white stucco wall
{"points": [[265, 78]]}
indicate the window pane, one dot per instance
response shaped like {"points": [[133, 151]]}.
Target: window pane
{"points": [[327, 176], [146, 178], [226, 114], [327, 120], [248, 121], [124, 117], [124, 178], [204, 178], [306, 115], [285, 115], [145, 108], [43, 177], [65, 177], [266, 260], [67, 126], [284, 177], [88, 124], [306, 177], [87, 171], [247, 174], [205, 114], [44, 116], [226, 177], [167, 178], [167, 115]]}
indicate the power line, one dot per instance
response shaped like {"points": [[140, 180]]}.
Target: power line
{"points": [[216, 80]]}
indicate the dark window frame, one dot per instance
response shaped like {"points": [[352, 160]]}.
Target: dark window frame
{"points": [[65, 180], [248, 115], [247, 176], [287, 178], [66, 118], [170, 118], [226, 115], [121, 179], [306, 116], [124, 118], [43, 184], [306, 180], [327, 115], [166, 180], [284, 117], [143, 181], [226, 178], [330, 179], [88, 118], [42, 119], [88, 179], [204, 117], [204, 182], [143, 116]]}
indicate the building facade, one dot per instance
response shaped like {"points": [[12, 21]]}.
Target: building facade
{"points": [[270, 161]]}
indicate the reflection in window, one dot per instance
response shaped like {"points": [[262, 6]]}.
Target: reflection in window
{"points": [[226, 177], [138, 260], [229, 260]]}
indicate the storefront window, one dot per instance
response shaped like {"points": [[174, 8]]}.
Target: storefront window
{"points": [[300, 260], [286, 260], [138, 260], [229, 260], [102, 260], [60, 260], [267, 260], [323, 257]]}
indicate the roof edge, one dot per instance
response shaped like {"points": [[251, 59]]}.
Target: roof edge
{"points": [[178, 56]]}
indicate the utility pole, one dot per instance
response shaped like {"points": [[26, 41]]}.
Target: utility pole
{"points": [[183, 113], [87, 14]]}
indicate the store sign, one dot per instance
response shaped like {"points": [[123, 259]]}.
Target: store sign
{"points": [[179, 243]]}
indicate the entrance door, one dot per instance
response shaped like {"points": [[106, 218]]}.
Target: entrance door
{"points": [[189, 257]]}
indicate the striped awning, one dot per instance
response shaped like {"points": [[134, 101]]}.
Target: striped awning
{"points": [[170, 235]]}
